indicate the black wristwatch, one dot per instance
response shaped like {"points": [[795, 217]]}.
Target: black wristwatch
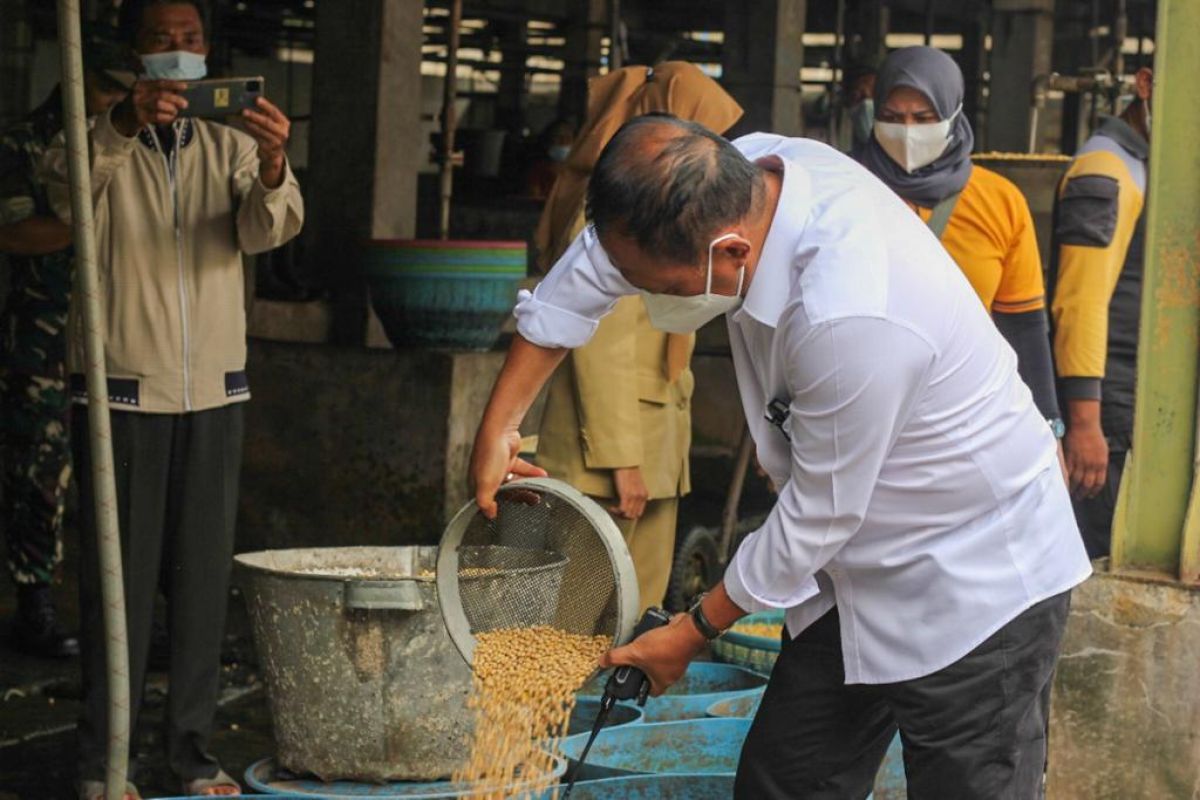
{"points": [[706, 628]]}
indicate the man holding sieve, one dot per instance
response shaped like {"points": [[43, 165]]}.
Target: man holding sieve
{"points": [[923, 542]]}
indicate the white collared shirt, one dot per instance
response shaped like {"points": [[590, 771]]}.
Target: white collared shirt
{"points": [[920, 488]]}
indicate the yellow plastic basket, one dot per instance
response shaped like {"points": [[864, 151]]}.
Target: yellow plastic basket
{"points": [[747, 650]]}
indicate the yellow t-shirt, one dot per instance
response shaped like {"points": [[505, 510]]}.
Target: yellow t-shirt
{"points": [[991, 237]]}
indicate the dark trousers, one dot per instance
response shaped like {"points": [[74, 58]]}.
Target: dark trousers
{"points": [[177, 488], [975, 730], [1094, 515]]}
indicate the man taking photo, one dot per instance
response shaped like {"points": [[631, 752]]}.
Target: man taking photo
{"points": [[178, 200]]}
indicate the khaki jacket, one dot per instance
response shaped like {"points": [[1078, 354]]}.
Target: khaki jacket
{"points": [[170, 232], [610, 405]]}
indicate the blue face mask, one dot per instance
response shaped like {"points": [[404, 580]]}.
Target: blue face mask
{"points": [[176, 65]]}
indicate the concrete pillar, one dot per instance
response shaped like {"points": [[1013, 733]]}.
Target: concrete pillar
{"points": [[584, 31], [761, 61], [365, 143], [1125, 710], [512, 98], [867, 23], [972, 59], [359, 446], [1022, 43]]}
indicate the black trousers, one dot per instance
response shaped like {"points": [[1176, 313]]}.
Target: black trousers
{"points": [[177, 489], [1094, 515], [975, 730]]}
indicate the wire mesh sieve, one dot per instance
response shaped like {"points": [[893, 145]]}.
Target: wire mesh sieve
{"points": [[552, 556]]}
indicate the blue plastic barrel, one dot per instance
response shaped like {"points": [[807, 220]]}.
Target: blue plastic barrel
{"points": [[703, 684], [432, 293], [263, 776], [707, 746], [653, 787], [890, 782], [583, 716]]}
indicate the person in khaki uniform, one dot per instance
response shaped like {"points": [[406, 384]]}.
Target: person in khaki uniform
{"points": [[617, 423]]}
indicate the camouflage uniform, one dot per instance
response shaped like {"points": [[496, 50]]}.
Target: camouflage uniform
{"points": [[34, 402]]}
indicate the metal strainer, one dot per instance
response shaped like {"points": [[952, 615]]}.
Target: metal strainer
{"points": [[552, 556]]}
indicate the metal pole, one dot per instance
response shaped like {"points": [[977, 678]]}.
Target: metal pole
{"points": [[449, 116], [100, 440], [1160, 529], [729, 517]]}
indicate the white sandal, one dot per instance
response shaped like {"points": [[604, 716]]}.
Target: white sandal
{"points": [[201, 786]]}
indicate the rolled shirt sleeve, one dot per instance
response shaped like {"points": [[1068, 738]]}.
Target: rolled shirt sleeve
{"points": [[850, 398], [565, 308]]}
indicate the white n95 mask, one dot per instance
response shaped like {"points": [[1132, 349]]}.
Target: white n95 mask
{"points": [[915, 146], [675, 314], [175, 65]]}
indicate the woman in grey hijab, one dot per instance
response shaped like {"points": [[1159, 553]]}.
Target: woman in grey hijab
{"points": [[925, 162], [921, 147]]}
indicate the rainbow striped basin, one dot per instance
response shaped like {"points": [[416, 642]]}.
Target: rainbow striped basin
{"points": [[446, 294]]}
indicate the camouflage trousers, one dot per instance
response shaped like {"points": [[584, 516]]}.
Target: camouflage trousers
{"points": [[36, 452]]}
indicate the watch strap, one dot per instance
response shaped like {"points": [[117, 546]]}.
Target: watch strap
{"points": [[706, 628]]}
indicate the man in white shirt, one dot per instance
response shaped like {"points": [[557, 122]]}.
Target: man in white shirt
{"points": [[923, 541]]}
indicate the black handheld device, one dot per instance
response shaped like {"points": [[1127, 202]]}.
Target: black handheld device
{"points": [[625, 683]]}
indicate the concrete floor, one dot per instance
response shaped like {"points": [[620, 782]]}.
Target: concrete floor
{"points": [[40, 701]]}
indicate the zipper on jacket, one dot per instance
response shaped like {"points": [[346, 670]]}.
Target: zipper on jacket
{"points": [[172, 164]]}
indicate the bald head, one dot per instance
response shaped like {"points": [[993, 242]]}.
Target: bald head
{"points": [[668, 184]]}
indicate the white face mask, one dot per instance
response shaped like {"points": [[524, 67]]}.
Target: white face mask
{"points": [[675, 314], [915, 146], [176, 65]]}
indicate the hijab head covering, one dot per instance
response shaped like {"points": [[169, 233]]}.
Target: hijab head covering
{"points": [[675, 87], [935, 75]]}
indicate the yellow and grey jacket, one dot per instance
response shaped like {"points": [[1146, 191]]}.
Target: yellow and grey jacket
{"points": [[172, 222], [1096, 277]]}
